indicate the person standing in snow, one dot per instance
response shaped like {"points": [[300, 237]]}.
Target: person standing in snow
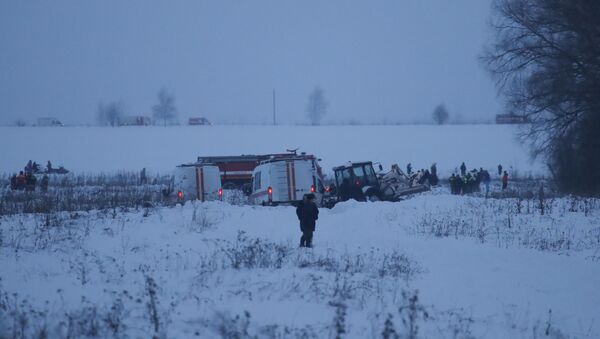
{"points": [[28, 168], [30, 182], [20, 180], [409, 169], [308, 213], [460, 184], [463, 169], [44, 183], [453, 183], [143, 179], [504, 181], [499, 169], [468, 183], [433, 178], [486, 181]]}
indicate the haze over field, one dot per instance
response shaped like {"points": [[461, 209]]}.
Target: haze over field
{"points": [[378, 61], [104, 149]]}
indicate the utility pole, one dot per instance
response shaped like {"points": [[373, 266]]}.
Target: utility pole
{"points": [[274, 111]]}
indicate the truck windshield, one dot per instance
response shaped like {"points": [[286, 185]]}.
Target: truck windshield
{"points": [[370, 174], [365, 173], [359, 172], [342, 174]]}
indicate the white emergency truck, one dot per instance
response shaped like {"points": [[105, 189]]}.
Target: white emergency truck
{"points": [[286, 181], [201, 182]]}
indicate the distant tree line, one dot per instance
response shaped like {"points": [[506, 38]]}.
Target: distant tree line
{"points": [[163, 112], [440, 114], [316, 107]]}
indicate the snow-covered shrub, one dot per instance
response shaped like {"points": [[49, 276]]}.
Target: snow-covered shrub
{"points": [[411, 312], [231, 327], [85, 193], [225, 325], [204, 217], [152, 303], [389, 330], [517, 223], [256, 253], [339, 320]]}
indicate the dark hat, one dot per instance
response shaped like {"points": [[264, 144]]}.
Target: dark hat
{"points": [[309, 196]]}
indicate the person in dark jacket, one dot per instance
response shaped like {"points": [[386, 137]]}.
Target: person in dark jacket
{"points": [[463, 169], [433, 178], [143, 178], [499, 169], [29, 167], [13, 182], [486, 178], [460, 185], [30, 182], [409, 169], [468, 183], [454, 185], [44, 183], [308, 213]]}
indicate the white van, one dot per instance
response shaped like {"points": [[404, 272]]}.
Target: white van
{"points": [[282, 181], [201, 182]]}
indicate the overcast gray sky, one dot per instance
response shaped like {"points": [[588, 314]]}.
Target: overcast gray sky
{"points": [[376, 60]]}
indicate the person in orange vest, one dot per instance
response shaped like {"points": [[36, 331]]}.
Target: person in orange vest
{"points": [[504, 180], [21, 180]]}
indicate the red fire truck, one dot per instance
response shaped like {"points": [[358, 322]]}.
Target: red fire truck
{"points": [[236, 171]]}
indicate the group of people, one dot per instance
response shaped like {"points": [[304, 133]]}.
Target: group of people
{"points": [[469, 182], [27, 181]]}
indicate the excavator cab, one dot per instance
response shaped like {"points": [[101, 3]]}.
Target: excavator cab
{"points": [[360, 174], [355, 181]]}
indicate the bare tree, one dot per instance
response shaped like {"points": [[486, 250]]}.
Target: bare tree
{"points": [[165, 108], [546, 62], [440, 114], [20, 123], [109, 114], [317, 105]]}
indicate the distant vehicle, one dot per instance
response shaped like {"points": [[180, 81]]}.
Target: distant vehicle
{"points": [[49, 122], [511, 118], [236, 170], [135, 120], [286, 181], [197, 182], [198, 121]]}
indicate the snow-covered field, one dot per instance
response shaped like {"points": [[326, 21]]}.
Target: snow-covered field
{"points": [[97, 149], [436, 266]]}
